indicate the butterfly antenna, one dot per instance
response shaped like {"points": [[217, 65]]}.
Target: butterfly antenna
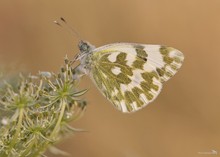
{"points": [[71, 29]]}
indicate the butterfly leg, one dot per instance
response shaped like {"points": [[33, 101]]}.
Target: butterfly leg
{"points": [[78, 72]]}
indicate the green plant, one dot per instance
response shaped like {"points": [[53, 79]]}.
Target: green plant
{"points": [[35, 111]]}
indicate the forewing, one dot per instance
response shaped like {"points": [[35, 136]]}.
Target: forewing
{"points": [[131, 75]]}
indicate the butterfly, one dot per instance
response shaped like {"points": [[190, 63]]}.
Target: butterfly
{"points": [[129, 75]]}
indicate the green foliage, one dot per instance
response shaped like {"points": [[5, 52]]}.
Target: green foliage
{"points": [[35, 111]]}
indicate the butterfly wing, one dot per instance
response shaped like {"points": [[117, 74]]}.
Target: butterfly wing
{"points": [[131, 75]]}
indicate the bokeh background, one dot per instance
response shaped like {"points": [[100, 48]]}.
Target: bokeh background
{"points": [[183, 121]]}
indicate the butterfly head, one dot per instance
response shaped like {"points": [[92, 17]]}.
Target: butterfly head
{"points": [[85, 47]]}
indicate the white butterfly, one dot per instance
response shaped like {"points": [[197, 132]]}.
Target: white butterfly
{"points": [[129, 75]]}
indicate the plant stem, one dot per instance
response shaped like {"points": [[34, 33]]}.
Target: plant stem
{"points": [[18, 128], [28, 148], [56, 128]]}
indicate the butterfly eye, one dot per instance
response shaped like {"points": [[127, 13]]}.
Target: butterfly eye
{"points": [[83, 46]]}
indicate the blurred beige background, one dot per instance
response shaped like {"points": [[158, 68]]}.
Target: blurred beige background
{"points": [[182, 122]]}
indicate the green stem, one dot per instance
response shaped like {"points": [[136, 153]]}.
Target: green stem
{"points": [[56, 128], [29, 148], [18, 128]]}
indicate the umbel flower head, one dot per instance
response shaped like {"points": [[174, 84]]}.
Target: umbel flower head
{"points": [[35, 111]]}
